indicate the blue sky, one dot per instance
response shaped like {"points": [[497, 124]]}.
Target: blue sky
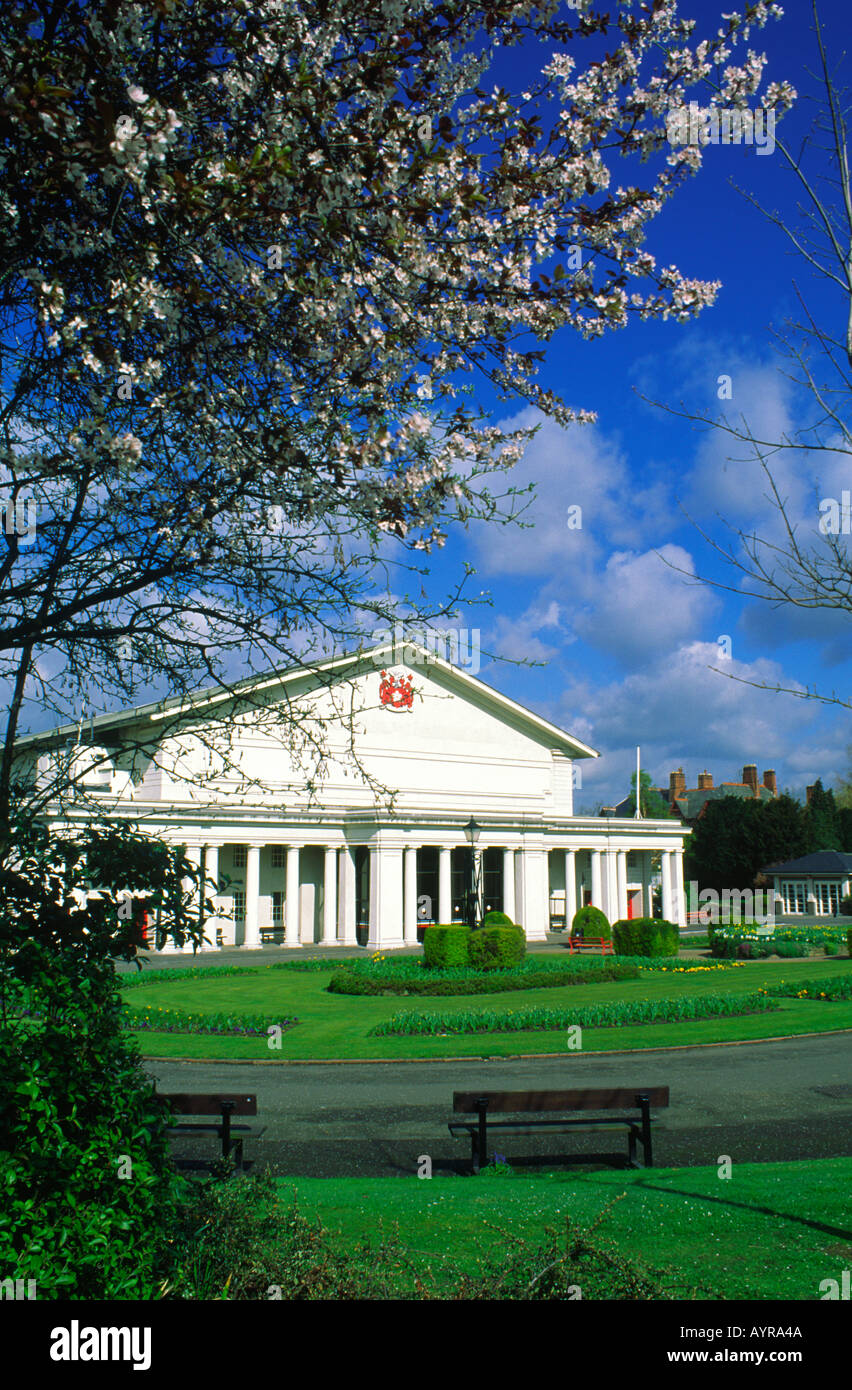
{"points": [[628, 643]]}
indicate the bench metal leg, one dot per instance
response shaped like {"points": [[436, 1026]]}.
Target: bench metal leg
{"points": [[631, 1147], [645, 1107], [480, 1140]]}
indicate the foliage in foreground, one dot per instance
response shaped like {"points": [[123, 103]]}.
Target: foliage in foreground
{"points": [[86, 1188], [677, 1010], [239, 1240]]}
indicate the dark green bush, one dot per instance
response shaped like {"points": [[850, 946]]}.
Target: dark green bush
{"points": [[496, 948], [590, 922], [830, 947], [579, 971], [645, 936], [789, 948], [88, 1191], [497, 919], [446, 945], [849, 941], [846, 906]]}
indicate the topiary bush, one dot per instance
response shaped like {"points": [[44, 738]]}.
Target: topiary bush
{"points": [[447, 945], [497, 919], [496, 948], [645, 936], [590, 921]]}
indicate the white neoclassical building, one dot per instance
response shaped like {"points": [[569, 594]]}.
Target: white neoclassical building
{"points": [[305, 849]]}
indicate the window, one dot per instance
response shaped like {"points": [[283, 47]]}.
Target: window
{"points": [[239, 905], [279, 856], [277, 909], [828, 899], [793, 896], [239, 853]]}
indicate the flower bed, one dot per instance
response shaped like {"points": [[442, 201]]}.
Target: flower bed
{"points": [[589, 1016], [156, 1020], [840, 987]]}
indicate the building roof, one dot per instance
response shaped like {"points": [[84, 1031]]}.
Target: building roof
{"points": [[823, 863], [275, 683]]}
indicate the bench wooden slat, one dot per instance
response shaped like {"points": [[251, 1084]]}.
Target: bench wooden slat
{"points": [[518, 1102], [187, 1103]]}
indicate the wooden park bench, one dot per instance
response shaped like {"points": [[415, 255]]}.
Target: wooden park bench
{"points": [[590, 943], [223, 1104], [524, 1104]]}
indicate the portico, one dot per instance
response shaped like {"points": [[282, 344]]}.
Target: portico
{"points": [[376, 885], [330, 860]]}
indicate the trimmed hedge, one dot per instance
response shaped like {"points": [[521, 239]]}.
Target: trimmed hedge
{"points": [[590, 921], [491, 982], [496, 948], [446, 945], [645, 936], [497, 919]]}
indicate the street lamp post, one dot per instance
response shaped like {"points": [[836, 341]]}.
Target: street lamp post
{"points": [[472, 832]]}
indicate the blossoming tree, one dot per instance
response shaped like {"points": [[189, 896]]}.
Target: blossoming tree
{"points": [[258, 256]]}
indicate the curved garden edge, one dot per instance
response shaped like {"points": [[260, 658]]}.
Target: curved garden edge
{"points": [[507, 1057]]}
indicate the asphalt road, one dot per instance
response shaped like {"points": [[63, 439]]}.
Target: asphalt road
{"points": [[758, 1102]]}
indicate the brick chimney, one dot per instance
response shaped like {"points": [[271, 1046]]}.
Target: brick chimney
{"points": [[769, 781], [750, 777], [677, 784], [705, 781]]}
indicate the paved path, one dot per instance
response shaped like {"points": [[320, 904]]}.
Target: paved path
{"points": [[758, 1102]]}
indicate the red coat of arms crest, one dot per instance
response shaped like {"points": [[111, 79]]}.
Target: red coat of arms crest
{"points": [[396, 694]]}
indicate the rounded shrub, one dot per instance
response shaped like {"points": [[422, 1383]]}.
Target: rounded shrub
{"points": [[445, 946], [645, 936], [497, 919], [590, 921], [496, 948], [789, 949]]}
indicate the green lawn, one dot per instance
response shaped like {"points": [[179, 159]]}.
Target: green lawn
{"points": [[337, 1026], [773, 1231]]}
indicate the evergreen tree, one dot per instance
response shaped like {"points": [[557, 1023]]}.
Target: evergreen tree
{"points": [[823, 819]]}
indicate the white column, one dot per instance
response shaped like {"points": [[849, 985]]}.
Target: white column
{"points": [[621, 867], [385, 899], [410, 909], [647, 887], [509, 883], [666, 869], [211, 871], [445, 887], [291, 906], [329, 901], [611, 885], [251, 941], [536, 917], [597, 889], [680, 901], [570, 886], [347, 924]]}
